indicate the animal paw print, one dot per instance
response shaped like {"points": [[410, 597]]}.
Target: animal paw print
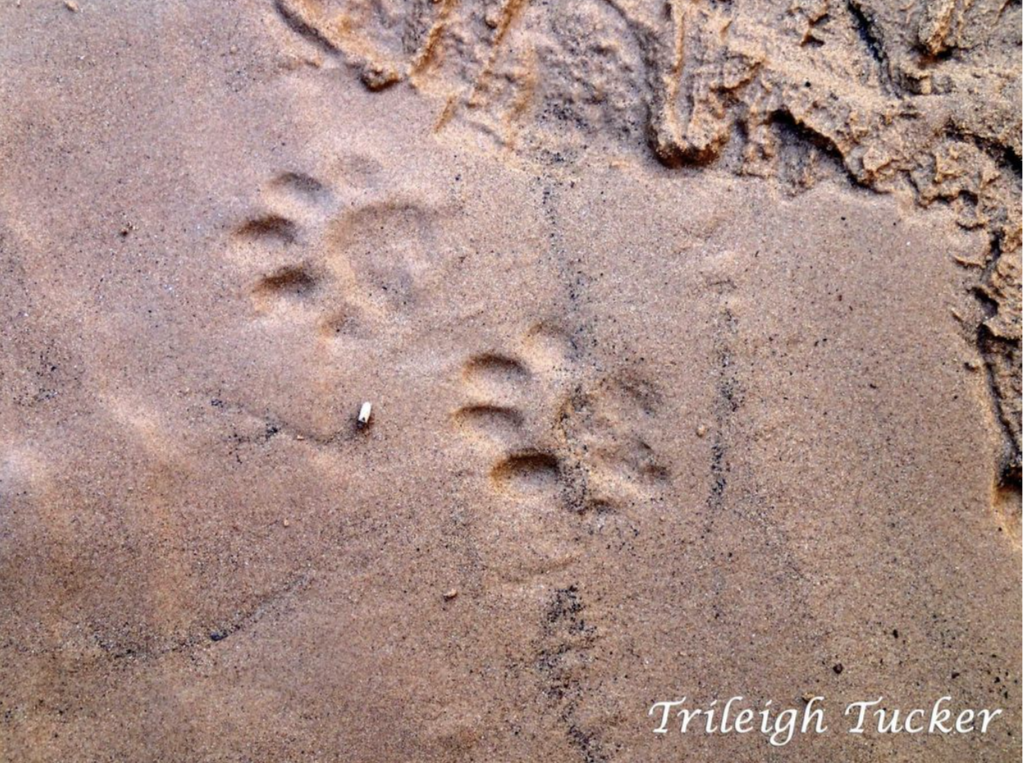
{"points": [[605, 430], [346, 262], [551, 435]]}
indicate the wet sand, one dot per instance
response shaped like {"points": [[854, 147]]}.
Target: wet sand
{"points": [[692, 338]]}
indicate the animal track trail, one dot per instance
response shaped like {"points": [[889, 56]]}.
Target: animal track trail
{"points": [[343, 269], [551, 435]]}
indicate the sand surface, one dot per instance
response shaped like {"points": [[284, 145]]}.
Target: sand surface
{"points": [[692, 333]]}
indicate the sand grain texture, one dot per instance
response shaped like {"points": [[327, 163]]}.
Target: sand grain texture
{"points": [[692, 333]]}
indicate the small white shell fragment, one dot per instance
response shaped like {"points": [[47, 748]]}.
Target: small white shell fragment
{"points": [[364, 414]]}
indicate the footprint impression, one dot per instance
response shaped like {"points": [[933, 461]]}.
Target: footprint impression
{"points": [[346, 261], [552, 436]]}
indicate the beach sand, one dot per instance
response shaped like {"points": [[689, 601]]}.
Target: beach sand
{"points": [[692, 338]]}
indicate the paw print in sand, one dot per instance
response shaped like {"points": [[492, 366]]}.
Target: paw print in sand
{"points": [[551, 435], [348, 262]]}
